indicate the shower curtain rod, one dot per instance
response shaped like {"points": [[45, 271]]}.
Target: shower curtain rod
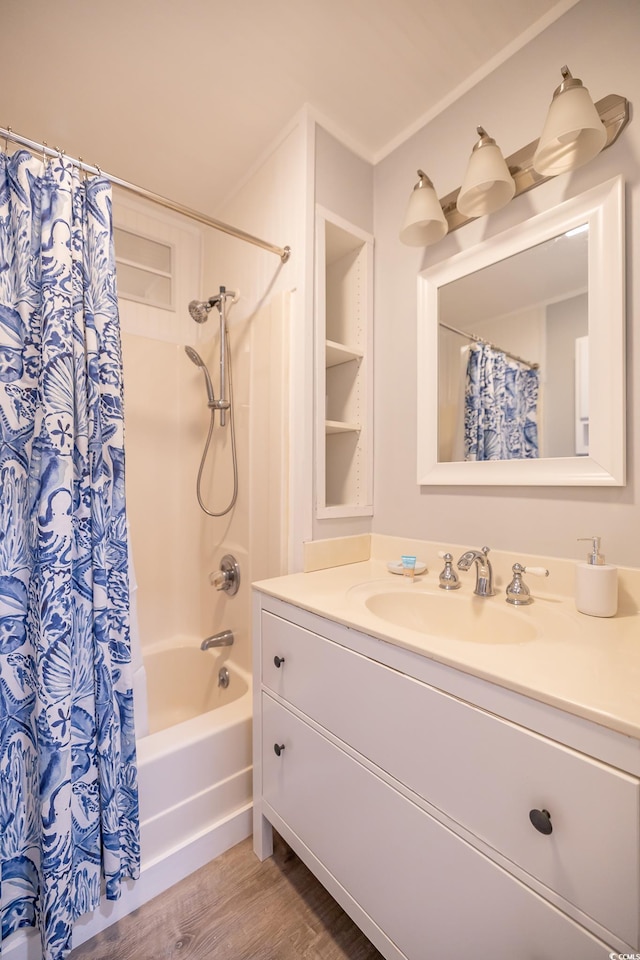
{"points": [[46, 151], [476, 339]]}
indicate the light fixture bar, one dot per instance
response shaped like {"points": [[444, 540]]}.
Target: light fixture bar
{"points": [[614, 113]]}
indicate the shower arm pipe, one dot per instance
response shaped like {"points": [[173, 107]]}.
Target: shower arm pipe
{"points": [[6, 134]]}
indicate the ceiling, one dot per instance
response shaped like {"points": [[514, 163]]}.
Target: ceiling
{"points": [[143, 87]]}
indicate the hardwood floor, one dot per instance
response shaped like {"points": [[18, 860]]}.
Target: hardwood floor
{"points": [[236, 908]]}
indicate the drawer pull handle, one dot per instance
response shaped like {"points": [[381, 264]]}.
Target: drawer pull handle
{"points": [[278, 661], [278, 748], [541, 819]]}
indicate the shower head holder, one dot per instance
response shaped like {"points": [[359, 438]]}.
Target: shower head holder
{"points": [[199, 309]]}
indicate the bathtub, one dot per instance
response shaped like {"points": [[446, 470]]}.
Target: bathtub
{"points": [[194, 770], [194, 766]]}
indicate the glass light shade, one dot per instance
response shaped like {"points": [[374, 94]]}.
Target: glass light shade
{"points": [[487, 184], [425, 222], [573, 132]]}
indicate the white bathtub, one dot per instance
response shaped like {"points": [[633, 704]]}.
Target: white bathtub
{"points": [[194, 771], [194, 767]]}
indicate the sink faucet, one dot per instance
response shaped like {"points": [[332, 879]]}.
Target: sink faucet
{"points": [[224, 639], [484, 573]]}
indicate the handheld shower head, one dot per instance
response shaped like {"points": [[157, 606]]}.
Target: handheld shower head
{"points": [[199, 309], [195, 357]]}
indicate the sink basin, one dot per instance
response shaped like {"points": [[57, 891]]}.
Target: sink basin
{"points": [[471, 619]]}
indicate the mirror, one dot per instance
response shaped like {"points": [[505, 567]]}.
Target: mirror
{"points": [[536, 316], [532, 308]]}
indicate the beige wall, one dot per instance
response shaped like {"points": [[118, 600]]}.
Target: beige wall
{"points": [[175, 545], [262, 329], [599, 42]]}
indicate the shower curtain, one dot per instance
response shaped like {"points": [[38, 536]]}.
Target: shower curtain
{"points": [[68, 779], [501, 407]]}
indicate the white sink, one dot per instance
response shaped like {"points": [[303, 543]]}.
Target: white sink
{"points": [[447, 614]]}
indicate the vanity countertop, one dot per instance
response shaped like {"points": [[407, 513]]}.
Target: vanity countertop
{"points": [[587, 666]]}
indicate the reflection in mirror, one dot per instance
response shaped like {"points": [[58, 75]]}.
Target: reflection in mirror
{"points": [[513, 356]]}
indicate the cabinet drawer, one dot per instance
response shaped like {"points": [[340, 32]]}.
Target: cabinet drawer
{"points": [[485, 773], [409, 873]]}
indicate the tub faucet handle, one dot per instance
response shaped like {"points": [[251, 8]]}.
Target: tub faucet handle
{"points": [[227, 578]]}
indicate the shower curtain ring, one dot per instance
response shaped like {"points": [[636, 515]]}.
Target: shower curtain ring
{"points": [[6, 140], [45, 158]]}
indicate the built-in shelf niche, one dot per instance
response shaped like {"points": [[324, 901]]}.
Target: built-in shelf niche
{"points": [[344, 369]]}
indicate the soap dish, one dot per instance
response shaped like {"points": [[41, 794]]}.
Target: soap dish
{"points": [[395, 566]]}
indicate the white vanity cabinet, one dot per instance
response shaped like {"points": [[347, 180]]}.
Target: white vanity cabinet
{"points": [[411, 802]]}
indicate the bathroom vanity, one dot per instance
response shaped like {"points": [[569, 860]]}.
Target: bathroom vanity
{"points": [[455, 795]]}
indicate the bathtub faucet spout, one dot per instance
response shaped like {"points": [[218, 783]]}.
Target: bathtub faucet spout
{"points": [[224, 639]]}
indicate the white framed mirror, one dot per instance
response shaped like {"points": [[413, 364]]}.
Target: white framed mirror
{"points": [[540, 311]]}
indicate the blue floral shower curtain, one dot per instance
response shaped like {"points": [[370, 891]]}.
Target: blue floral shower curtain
{"points": [[501, 407], [68, 780]]}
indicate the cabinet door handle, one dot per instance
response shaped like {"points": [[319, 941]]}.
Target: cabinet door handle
{"points": [[541, 819], [278, 748], [278, 661]]}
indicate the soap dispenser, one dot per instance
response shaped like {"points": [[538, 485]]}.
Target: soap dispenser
{"points": [[596, 583]]}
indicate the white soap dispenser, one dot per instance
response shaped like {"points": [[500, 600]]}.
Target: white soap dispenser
{"points": [[596, 583]]}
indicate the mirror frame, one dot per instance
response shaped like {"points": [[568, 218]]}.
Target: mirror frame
{"points": [[602, 207]]}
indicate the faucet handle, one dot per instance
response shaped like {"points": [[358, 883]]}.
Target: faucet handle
{"points": [[448, 579], [227, 578], [518, 592]]}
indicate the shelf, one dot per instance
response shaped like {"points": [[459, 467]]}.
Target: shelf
{"points": [[337, 353], [337, 426], [344, 369]]}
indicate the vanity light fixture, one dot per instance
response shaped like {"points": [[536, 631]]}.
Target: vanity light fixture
{"points": [[573, 132], [487, 184], [576, 130], [425, 222]]}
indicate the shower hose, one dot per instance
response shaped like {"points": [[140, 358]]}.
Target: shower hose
{"points": [[222, 513]]}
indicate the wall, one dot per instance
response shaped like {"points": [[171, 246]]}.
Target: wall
{"points": [[566, 321], [599, 42]]}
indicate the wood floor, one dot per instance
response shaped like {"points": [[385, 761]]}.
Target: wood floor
{"points": [[237, 908]]}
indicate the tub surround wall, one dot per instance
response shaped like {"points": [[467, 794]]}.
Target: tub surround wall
{"points": [[267, 326], [599, 42]]}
